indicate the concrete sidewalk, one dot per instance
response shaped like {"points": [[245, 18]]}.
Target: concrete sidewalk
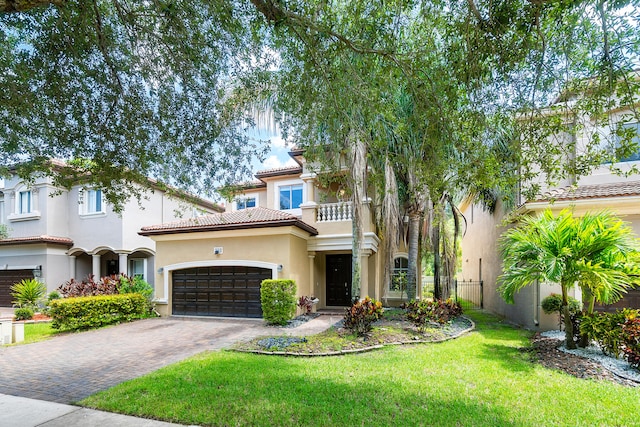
{"points": [[24, 412]]}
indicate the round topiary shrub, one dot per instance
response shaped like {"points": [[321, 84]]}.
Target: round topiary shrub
{"points": [[553, 304], [23, 313]]}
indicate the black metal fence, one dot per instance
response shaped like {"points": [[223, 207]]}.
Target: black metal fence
{"points": [[469, 293]]}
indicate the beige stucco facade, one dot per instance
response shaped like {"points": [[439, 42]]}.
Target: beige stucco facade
{"points": [[282, 249]]}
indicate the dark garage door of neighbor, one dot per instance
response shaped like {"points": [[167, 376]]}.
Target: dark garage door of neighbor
{"points": [[7, 279], [231, 291]]}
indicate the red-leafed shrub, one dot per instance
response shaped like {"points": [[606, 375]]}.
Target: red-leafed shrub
{"points": [[90, 287], [424, 311], [631, 341], [360, 316]]}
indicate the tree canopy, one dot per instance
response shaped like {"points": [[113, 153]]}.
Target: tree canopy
{"points": [[164, 88]]}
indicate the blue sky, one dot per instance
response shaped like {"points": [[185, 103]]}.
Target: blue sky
{"points": [[279, 153]]}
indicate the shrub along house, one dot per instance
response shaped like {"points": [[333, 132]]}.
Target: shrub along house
{"points": [[57, 234], [287, 225]]}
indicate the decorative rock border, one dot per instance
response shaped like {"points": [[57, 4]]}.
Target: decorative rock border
{"points": [[363, 349]]}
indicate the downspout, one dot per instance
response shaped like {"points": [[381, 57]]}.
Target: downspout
{"points": [[536, 308]]}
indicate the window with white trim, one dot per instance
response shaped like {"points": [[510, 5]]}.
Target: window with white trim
{"points": [[290, 196], [245, 202], [137, 267], [91, 201], [24, 202], [2, 219]]}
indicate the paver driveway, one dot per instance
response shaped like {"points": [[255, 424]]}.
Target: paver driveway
{"points": [[71, 367]]}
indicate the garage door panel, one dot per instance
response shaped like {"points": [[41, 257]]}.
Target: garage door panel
{"points": [[7, 279], [230, 291]]}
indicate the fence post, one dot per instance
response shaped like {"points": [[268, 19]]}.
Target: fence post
{"points": [[481, 294], [455, 288]]}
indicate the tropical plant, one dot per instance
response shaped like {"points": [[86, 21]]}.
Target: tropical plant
{"points": [[631, 341], [90, 287], [28, 293], [422, 312], [553, 304], [306, 303], [594, 251], [360, 316]]}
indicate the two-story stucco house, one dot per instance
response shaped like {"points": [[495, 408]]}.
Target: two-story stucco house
{"points": [[285, 225], [600, 190], [57, 234]]}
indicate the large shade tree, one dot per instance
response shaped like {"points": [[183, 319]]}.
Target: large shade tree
{"points": [[161, 88], [595, 251]]}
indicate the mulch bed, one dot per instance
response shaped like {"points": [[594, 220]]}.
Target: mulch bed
{"points": [[546, 353]]}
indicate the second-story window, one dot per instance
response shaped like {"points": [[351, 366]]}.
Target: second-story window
{"points": [[290, 196], [24, 202], [630, 130], [91, 202], [245, 202]]}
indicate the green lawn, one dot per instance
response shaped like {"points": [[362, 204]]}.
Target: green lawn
{"points": [[481, 379]]}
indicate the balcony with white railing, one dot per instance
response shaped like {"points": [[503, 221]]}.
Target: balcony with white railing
{"points": [[334, 212]]}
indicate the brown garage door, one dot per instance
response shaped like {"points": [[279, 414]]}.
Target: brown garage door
{"points": [[232, 291], [7, 279]]}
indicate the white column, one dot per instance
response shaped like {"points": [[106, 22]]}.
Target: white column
{"points": [[312, 289], [72, 266], [96, 266], [122, 263], [365, 289]]}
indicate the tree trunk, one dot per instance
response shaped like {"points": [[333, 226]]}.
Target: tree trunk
{"points": [[435, 225], [412, 262], [358, 153], [568, 325], [588, 304]]}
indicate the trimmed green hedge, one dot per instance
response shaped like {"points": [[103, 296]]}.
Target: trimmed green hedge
{"points": [[278, 298], [95, 311]]}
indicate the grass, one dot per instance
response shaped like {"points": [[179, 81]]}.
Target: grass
{"points": [[34, 332], [481, 379]]}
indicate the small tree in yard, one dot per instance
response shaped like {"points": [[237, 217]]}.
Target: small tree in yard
{"points": [[597, 252]]}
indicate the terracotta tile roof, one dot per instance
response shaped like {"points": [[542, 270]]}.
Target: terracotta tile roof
{"points": [[595, 191], [288, 170], [37, 239], [246, 218]]}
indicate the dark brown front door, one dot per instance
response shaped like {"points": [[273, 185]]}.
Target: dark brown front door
{"points": [[7, 279], [229, 291], [339, 280]]}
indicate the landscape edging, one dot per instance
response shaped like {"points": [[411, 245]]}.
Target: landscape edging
{"points": [[360, 350]]}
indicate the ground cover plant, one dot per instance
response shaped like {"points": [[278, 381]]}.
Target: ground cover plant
{"points": [[481, 379]]}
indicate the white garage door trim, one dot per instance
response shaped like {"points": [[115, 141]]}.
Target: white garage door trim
{"points": [[167, 269]]}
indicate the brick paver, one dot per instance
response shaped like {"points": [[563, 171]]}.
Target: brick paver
{"points": [[68, 368]]}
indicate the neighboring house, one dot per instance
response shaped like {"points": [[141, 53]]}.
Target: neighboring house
{"points": [[601, 190], [286, 225], [56, 234]]}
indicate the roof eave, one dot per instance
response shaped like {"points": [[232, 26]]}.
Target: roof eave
{"points": [[220, 227]]}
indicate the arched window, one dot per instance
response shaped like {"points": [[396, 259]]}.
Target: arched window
{"points": [[399, 274]]}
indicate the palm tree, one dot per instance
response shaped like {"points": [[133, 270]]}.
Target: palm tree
{"points": [[594, 252]]}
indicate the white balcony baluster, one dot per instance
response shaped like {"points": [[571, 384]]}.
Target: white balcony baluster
{"points": [[333, 212]]}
